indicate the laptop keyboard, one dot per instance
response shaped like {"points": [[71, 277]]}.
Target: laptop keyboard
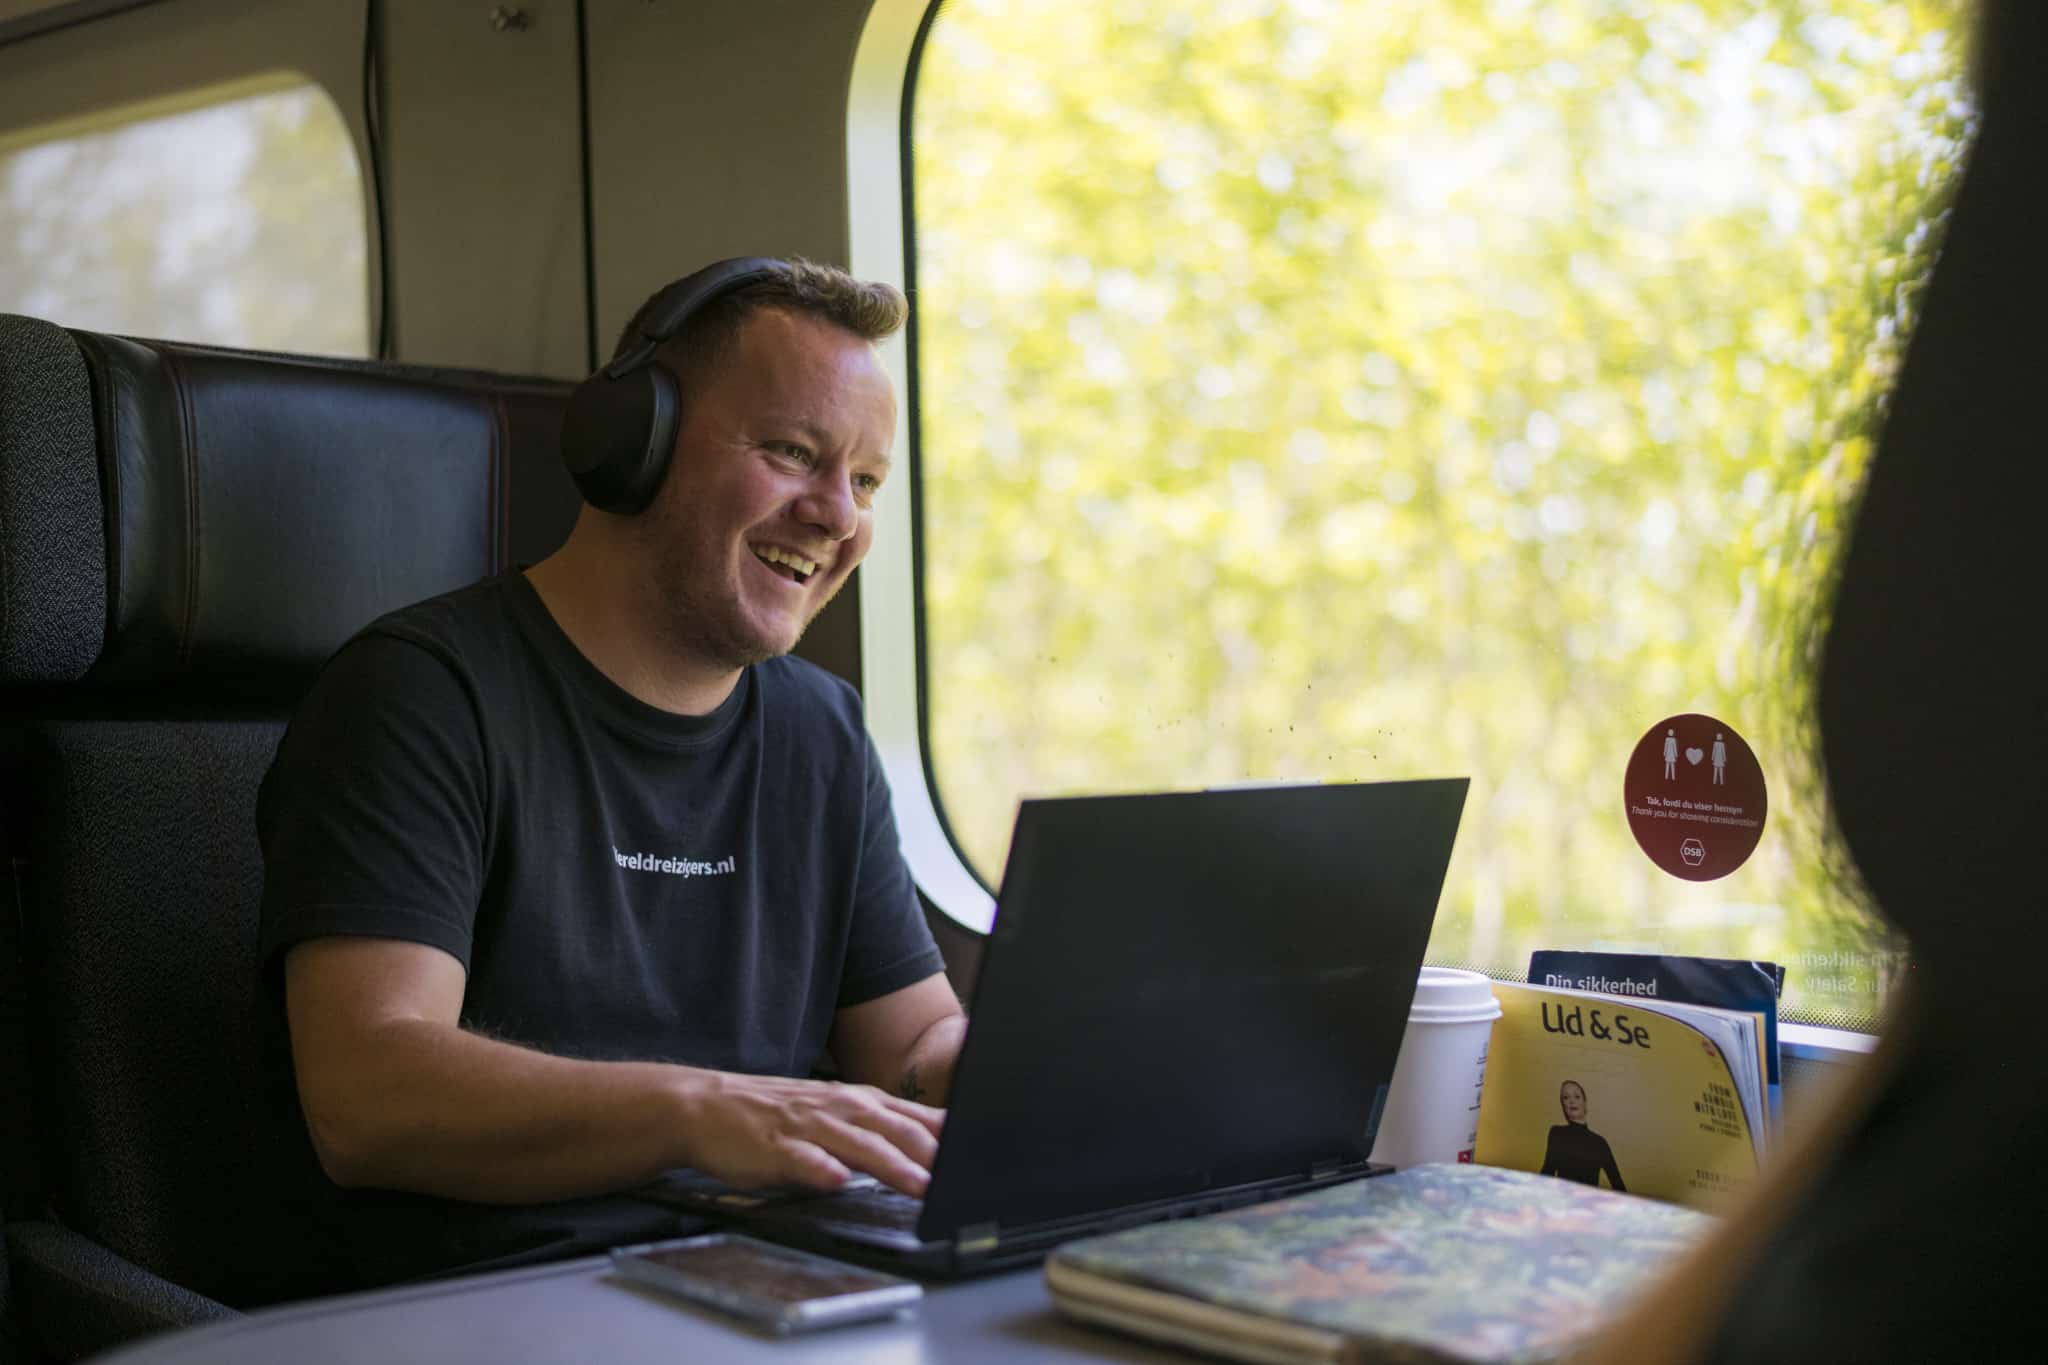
{"points": [[876, 1208], [863, 1209]]}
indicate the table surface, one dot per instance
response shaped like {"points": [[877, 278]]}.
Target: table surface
{"points": [[580, 1311]]}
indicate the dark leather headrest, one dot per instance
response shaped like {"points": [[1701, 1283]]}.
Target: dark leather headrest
{"points": [[253, 511]]}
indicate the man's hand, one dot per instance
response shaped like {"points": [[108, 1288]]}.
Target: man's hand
{"points": [[398, 1096], [752, 1131]]}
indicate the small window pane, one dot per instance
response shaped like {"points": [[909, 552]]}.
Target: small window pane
{"points": [[239, 223], [1338, 391]]}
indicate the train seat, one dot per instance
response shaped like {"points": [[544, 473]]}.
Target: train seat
{"points": [[6, 1319], [186, 533]]}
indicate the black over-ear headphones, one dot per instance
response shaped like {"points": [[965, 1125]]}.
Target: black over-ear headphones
{"points": [[620, 428]]}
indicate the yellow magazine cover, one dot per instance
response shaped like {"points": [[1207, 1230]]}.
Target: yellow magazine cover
{"points": [[1620, 1094]]}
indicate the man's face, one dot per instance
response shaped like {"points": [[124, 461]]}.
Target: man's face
{"points": [[768, 504], [1574, 1101]]}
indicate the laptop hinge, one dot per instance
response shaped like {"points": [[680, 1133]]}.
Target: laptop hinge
{"points": [[1324, 1169], [976, 1239]]}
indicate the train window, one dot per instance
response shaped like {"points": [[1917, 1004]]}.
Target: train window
{"points": [[235, 219], [1329, 391]]}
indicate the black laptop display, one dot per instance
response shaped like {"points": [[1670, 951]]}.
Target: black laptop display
{"points": [[1189, 1001]]}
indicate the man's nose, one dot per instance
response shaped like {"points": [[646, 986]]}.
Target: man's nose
{"points": [[828, 504]]}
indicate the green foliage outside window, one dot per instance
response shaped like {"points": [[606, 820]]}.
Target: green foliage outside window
{"points": [[1321, 389]]}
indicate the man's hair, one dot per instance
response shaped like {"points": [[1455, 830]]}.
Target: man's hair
{"points": [[870, 311]]}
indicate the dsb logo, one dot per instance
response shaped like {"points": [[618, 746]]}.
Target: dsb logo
{"points": [[1693, 852]]}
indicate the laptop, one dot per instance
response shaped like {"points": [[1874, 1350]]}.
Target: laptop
{"points": [[1189, 1001]]}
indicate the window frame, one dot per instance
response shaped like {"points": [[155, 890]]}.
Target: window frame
{"points": [[892, 643]]}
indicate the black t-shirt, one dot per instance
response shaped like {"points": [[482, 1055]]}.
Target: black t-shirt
{"points": [[620, 882]]}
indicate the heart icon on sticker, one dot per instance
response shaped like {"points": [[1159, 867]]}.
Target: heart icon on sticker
{"points": [[1695, 755]]}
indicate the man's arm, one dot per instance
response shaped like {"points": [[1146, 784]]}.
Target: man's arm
{"points": [[397, 1096], [905, 1042]]}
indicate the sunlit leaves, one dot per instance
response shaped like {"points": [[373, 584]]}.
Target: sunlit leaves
{"points": [[1345, 390]]}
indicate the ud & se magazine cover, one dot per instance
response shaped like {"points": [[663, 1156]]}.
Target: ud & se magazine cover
{"points": [[1657, 1099]]}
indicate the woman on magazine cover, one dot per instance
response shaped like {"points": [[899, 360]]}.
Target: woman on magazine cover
{"points": [[1575, 1151]]}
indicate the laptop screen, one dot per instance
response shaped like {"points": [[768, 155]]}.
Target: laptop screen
{"points": [[1187, 991]]}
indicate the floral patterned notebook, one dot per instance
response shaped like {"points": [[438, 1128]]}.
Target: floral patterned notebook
{"points": [[1436, 1263]]}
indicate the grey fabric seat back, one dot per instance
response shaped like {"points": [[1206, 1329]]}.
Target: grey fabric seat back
{"points": [[6, 1317], [186, 534], [141, 885]]}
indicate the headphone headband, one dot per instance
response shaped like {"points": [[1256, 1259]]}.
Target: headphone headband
{"points": [[662, 316], [620, 428]]}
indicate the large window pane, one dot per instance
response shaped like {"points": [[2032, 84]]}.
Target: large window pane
{"points": [[1332, 390], [238, 223]]}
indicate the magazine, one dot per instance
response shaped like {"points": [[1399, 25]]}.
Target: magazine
{"points": [[1651, 1097], [1724, 983]]}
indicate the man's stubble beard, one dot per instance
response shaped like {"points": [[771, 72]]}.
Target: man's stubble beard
{"points": [[706, 624]]}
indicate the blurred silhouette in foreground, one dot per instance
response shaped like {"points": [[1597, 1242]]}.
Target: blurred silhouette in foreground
{"points": [[1909, 1227]]}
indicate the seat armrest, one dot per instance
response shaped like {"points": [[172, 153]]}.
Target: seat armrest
{"points": [[74, 1297]]}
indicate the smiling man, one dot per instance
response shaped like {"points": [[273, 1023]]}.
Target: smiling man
{"points": [[572, 876]]}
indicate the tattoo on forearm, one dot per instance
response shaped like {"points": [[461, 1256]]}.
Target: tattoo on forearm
{"points": [[908, 1087]]}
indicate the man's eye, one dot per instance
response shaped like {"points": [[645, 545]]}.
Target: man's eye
{"points": [[791, 450], [868, 483]]}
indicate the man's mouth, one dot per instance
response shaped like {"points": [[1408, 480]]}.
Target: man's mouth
{"points": [[790, 565]]}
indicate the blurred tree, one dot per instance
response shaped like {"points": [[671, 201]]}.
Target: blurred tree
{"points": [[239, 222], [1333, 390]]}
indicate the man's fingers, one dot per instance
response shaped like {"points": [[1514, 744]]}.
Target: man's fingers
{"points": [[904, 1132], [864, 1149], [914, 1127], [932, 1119], [817, 1133], [813, 1167], [889, 1139]]}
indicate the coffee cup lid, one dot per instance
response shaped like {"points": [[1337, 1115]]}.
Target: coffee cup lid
{"points": [[1448, 995]]}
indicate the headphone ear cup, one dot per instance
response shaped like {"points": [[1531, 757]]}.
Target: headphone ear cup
{"points": [[618, 434]]}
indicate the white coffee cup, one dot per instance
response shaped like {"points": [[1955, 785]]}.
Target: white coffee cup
{"points": [[1432, 1109]]}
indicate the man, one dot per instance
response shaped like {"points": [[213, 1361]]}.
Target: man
{"points": [[571, 875]]}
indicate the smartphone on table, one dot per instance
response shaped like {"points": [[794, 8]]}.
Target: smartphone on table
{"points": [[776, 1288]]}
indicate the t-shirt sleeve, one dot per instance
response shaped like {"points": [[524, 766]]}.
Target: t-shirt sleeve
{"points": [[890, 946], [372, 817]]}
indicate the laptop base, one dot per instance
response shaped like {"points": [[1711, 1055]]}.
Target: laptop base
{"points": [[872, 1226]]}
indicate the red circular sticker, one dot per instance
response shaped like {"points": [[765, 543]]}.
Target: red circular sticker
{"points": [[1694, 795]]}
